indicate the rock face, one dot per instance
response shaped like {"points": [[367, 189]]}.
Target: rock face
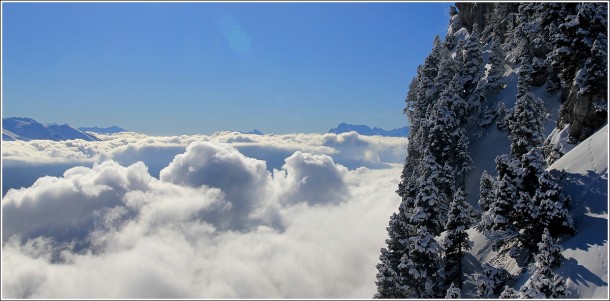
{"points": [[584, 112], [473, 13]]}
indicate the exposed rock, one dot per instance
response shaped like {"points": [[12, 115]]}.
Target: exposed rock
{"points": [[582, 114], [474, 13]]}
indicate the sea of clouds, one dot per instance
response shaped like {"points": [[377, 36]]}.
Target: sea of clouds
{"points": [[223, 216]]}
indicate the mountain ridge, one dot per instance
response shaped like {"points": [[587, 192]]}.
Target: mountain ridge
{"points": [[26, 129], [368, 131]]}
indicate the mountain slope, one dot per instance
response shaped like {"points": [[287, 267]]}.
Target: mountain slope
{"points": [[68, 132], [23, 128], [586, 181]]}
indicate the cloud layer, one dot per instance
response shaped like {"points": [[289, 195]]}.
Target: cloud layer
{"points": [[215, 223]]}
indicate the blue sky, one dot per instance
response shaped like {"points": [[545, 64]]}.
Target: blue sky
{"points": [[185, 68]]}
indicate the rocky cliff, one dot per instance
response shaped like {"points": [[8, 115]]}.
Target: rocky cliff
{"points": [[568, 45]]}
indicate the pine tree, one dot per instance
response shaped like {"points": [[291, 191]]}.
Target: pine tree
{"points": [[489, 281], [525, 73], [444, 121], [421, 266], [596, 67], [426, 211], [502, 112], [486, 187], [532, 165], [389, 280], [544, 282], [496, 72], [461, 157], [553, 209], [526, 124], [472, 72], [388, 285], [456, 241]]}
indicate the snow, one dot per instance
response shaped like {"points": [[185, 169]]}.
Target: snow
{"points": [[560, 137], [461, 35], [586, 181], [585, 266]]}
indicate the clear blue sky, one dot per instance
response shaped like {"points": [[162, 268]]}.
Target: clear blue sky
{"points": [[184, 68]]}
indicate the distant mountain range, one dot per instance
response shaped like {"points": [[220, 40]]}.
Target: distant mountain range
{"points": [[253, 132], [109, 130], [368, 131], [26, 129]]}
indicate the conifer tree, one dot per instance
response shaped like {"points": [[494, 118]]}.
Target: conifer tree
{"points": [[489, 281], [526, 124], [497, 222], [525, 73], [421, 266], [426, 211], [544, 282], [486, 187], [553, 209], [456, 241], [473, 62], [496, 72], [390, 281], [388, 285]]}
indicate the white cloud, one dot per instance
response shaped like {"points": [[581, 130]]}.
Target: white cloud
{"points": [[314, 179], [215, 224], [349, 149]]}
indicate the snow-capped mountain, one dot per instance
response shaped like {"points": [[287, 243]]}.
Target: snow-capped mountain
{"points": [[70, 133], [103, 130], [368, 131], [23, 128], [253, 132]]}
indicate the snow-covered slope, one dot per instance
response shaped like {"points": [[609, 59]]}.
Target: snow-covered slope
{"points": [[69, 132], [586, 181], [25, 129], [29, 128], [10, 136]]}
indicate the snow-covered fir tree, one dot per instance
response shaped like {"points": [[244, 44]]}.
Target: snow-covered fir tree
{"points": [[553, 208], [489, 281], [486, 191], [420, 266], [390, 281], [472, 72], [497, 221], [456, 241], [544, 282], [495, 74], [526, 124]]}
